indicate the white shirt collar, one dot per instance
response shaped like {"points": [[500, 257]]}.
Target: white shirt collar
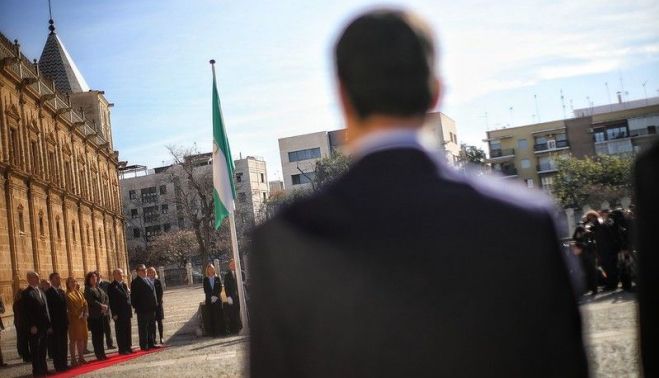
{"points": [[386, 140]]}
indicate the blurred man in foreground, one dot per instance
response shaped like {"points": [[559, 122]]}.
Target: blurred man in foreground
{"points": [[401, 268]]}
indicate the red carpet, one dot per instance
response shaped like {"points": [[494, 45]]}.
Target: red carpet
{"points": [[113, 359]]}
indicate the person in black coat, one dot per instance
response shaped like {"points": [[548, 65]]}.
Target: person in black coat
{"points": [[233, 305], [608, 247], [107, 331], [22, 334], [58, 341], [97, 303], [160, 313], [327, 297], [646, 187], [212, 289], [143, 299], [36, 320], [122, 312]]}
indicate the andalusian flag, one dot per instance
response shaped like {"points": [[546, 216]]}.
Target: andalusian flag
{"points": [[224, 194]]}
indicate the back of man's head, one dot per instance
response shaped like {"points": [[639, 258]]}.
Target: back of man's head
{"points": [[385, 63]]}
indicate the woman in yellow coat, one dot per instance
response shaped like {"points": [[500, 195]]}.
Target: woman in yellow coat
{"points": [[77, 307]]}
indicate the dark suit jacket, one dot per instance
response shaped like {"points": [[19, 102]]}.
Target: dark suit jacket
{"points": [[231, 287], [212, 292], [57, 307], [119, 300], [646, 180], [34, 310], [95, 298], [402, 268], [142, 296]]}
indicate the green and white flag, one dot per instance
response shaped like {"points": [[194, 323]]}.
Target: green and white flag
{"points": [[224, 194]]}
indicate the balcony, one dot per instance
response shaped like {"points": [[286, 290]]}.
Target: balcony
{"points": [[543, 147], [507, 172], [650, 130], [499, 153], [547, 167]]}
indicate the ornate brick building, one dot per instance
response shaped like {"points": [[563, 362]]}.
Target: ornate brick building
{"points": [[60, 204]]}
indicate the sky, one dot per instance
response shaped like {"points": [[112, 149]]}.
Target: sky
{"points": [[275, 72]]}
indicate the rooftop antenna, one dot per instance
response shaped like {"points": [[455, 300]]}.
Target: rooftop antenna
{"points": [[511, 116], [563, 104], [645, 92], [622, 85], [608, 93], [537, 110], [487, 125], [572, 108]]}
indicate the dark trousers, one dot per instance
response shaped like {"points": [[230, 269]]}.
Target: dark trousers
{"points": [[146, 328], [589, 264], [96, 328], [39, 348], [122, 332], [233, 314], [107, 331], [216, 324], [57, 345], [23, 343], [610, 265]]}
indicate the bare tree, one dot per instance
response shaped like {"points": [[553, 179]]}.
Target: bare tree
{"points": [[176, 246]]}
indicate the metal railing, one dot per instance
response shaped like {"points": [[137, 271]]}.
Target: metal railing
{"points": [[502, 152], [545, 146]]}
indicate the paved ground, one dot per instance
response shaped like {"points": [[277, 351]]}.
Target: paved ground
{"points": [[610, 330]]}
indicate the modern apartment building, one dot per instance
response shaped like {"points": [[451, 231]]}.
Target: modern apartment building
{"points": [[444, 136], [299, 153], [529, 152], [151, 205]]}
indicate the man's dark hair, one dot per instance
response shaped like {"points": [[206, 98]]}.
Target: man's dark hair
{"points": [[385, 61], [53, 274]]}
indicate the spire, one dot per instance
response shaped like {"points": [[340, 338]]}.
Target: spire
{"points": [[51, 23], [56, 63]]}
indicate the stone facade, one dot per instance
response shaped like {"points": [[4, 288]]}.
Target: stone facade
{"points": [[60, 208]]}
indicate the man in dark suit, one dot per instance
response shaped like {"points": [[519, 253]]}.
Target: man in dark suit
{"points": [[402, 267], [143, 300], [231, 290], [58, 341], [104, 284], [119, 297], [646, 185], [37, 321]]}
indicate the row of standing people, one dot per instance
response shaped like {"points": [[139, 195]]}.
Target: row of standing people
{"points": [[603, 242], [224, 317], [47, 317]]}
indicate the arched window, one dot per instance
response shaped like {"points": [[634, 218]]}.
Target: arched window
{"points": [[89, 243], [100, 238], [59, 235], [73, 231]]}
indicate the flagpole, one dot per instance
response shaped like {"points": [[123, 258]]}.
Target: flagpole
{"points": [[239, 275], [235, 252]]}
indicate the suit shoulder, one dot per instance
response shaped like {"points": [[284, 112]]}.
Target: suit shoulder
{"points": [[505, 194]]}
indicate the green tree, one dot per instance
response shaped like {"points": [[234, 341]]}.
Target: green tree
{"points": [[329, 169], [592, 180], [471, 155]]}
